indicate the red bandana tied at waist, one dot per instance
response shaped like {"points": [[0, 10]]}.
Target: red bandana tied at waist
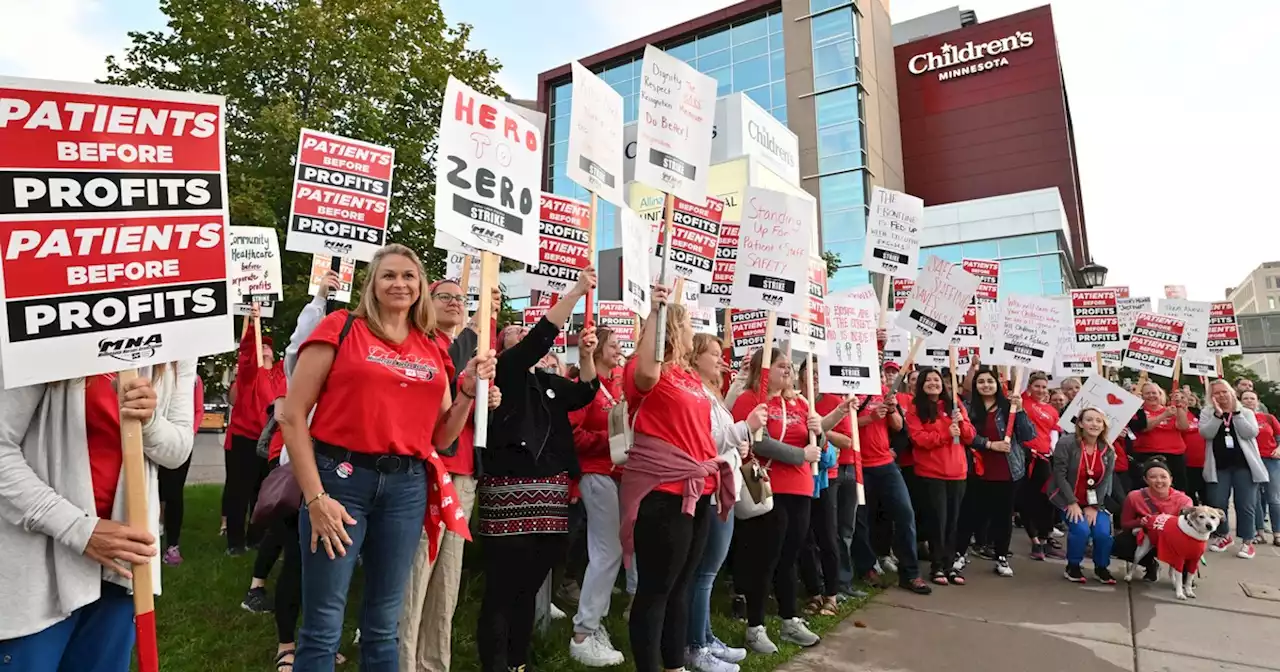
{"points": [[443, 510]]}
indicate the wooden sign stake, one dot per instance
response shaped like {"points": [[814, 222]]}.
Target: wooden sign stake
{"points": [[766, 360], [138, 517], [484, 317], [668, 209], [465, 281], [591, 258], [257, 333]]}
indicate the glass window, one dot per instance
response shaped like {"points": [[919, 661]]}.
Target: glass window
{"points": [[760, 95], [983, 249], [841, 192], [1023, 264], [775, 22], [947, 253], [1053, 288], [839, 162], [836, 107], [835, 79], [630, 109], [1047, 242], [560, 152], [833, 27], [616, 74], [750, 74], [1050, 268], [717, 60], [1022, 282], [776, 42], [833, 57], [848, 277], [712, 42], [564, 92], [844, 225], [780, 113], [745, 32], [777, 66], [849, 250], [1016, 246], [839, 139], [816, 6], [751, 49], [560, 129], [724, 81], [780, 93]]}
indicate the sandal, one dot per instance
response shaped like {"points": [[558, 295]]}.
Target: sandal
{"points": [[830, 607], [939, 577], [283, 665], [955, 579], [813, 606]]}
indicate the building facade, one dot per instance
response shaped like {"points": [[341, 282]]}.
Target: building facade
{"points": [[1257, 301]]}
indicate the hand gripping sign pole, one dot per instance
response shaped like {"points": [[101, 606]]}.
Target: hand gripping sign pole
{"points": [[484, 317], [766, 360], [808, 393], [1019, 371], [137, 517], [668, 209]]}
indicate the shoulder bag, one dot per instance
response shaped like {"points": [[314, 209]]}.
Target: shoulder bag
{"points": [[756, 498]]}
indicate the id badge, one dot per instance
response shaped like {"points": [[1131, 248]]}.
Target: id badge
{"points": [[1091, 497], [1230, 441]]}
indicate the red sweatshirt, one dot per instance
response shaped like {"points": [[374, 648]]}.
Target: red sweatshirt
{"points": [[787, 479], [825, 404], [255, 390], [1136, 509], [591, 429], [936, 452], [1045, 419], [1159, 438], [1268, 431], [906, 458]]}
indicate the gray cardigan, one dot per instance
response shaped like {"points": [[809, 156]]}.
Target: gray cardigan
{"points": [[46, 494], [1066, 468], [1245, 428]]}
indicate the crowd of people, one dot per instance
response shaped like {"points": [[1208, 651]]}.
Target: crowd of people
{"points": [[645, 474]]}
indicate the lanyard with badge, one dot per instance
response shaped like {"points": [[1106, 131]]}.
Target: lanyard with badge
{"points": [[1227, 438], [1091, 467]]}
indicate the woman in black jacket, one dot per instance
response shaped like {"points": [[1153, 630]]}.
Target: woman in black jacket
{"points": [[523, 493]]}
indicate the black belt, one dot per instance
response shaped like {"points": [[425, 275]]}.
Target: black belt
{"points": [[384, 464]]}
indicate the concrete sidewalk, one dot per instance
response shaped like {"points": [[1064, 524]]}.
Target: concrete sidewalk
{"points": [[1039, 622], [207, 462]]}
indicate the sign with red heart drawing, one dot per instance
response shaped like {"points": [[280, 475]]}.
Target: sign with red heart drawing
{"points": [[1104, 395]]}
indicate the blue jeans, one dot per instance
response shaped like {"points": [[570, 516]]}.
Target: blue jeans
{"points": [[887, 490], [1078, 534], [1239, 480], [388, 510], [97, 637], [1271, 492], [855, 557], [704, 578]]}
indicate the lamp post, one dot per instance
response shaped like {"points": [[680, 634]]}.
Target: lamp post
{"points": [[1094, 274]]}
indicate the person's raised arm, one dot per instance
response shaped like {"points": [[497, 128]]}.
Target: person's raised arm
{"points": [[310, 317], [839, 413], [587, 343], [247, 356], [560, 313], [648, 368], [840, 441]]}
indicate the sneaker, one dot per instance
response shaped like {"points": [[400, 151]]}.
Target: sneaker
{"points": [[960, 563], [1037, 552], [850, 593], [595, 651], [739, 607], [1052, 543], [1055, 533], [1002, 566], [1074, 575], [725, 652], [1221, 544], [888, 565], [703, 660], [557, 613], [172, 556], [758, 640], [1104, 575], [1275, 539], [256, 601], [795, 631], [917, 586], [1246, 551], [986, 553]]}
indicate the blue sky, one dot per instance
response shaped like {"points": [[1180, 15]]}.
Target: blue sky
{"points": [[1173, 107]]}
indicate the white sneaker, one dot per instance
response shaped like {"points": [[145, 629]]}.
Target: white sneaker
{"points": [[888, 564], [557, 613], [795, 631], [758, 640], [959, 564], [595, 651], [725, 652], [1056, 533], [1002, 566], [1246, 551], [703, 660]]}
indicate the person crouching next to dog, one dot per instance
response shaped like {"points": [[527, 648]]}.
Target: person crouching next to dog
{"points": [[1142, 505], [1083, 466]]}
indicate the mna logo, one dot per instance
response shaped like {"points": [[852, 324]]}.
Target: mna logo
{"points": [[488, 235], [130, 349], [338, 249], [774, 300]]}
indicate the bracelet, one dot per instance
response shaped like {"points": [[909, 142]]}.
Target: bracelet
{"points": [[463, 393], [315, 499]]}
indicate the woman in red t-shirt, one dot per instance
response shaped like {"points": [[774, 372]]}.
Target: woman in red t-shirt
{"points": [[1158, 430], [378, 384], [1038, 514], [939, 431]]}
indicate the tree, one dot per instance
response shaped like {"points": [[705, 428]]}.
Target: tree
{"points": [[369, 69]]}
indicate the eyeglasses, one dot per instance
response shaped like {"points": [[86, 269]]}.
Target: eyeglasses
{"points": [[449, 298]]}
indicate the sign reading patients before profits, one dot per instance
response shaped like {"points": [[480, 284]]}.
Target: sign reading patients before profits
{"points": [[488, 174], [621, 321], [113, 205], [1224, 330], [321, 264], [852, 365], [747, 329], [695, 230], [595, 137], [1095, 317], [341, 196], [774, 251], [938, 299], [562, 244], [718, 294], [676, 121], [1154, 344], [255, 262], [635, 263], [893, 233]]}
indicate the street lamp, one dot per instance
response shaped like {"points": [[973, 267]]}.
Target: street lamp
{"points": [[1095, 275]]}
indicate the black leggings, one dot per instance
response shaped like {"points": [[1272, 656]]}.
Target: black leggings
{"points": [[1037, 511], [942, 501], [820, 560], [245, 472], [669, 548], [772, 544], [987, 508], [514, 568], [172, 482], [288, 602]]}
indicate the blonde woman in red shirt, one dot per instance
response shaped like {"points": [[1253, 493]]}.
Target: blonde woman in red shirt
{"points": [[1158, 428]]}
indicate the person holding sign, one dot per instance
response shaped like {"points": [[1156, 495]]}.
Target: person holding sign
{"points": [[939, 431], [1038, 513], [378, 384], [1268, 432], [62, 493], [1158, 430], [1232, 466], [1083, 465]]}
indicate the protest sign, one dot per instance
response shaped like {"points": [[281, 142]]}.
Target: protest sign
{"points": [[115, 229], [702, 319], [255, 262], [321, 263], [775, 244], [1129, 307], [635, 263], [1029, 331], [897, 344], [675, 124], [266, 309], [988, 275], [1224, 330], [966, 333], [1071, 359], [855, 293], [1153, 346], [1122, 291], [453, 269], [341, 196], [747, 329], [621, 320], [1104, 395], [938, 299], [1175, 291], [893, 233], [991, 317], [689, 293], [809, 331], [696, 232], [1096, 318], [595, 136], [489, 174], [853, 365], [533, 314], [936, 352], [563, 229], [1196, 315], [719, 293], [901, 292]]}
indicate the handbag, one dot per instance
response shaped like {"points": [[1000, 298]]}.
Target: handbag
{"points": [[756, 497], [621, 429]]}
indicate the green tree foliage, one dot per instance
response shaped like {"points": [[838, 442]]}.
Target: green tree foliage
{"points": [[369, 69]]}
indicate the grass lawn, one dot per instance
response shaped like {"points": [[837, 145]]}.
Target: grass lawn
{"points": [[203, 629]]}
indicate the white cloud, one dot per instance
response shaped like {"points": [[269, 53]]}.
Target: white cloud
{"points": [[57, 39]]}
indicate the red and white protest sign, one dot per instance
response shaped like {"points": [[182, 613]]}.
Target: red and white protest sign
{"points": [[938, 299], [1224, 330], [533, 314], [748, 327], [564, 229], [1175, 291], [621, 320], [1122, 291], [854, 367], [696, 232], [809, 331], [1154, 344], [901, 292], [966, 333], [1096, 318], [341, 196], [718, 294], [113, 203], [988, 275]]}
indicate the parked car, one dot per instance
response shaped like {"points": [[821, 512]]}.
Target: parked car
{"points": [[217, 414]]}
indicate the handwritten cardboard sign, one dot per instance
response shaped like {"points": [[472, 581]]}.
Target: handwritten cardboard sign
{"points": [[853, 363], [595, 136], [1104, 395], [938, 299], [1153, 345], [774, 251], [255, 262], [893, 233], [1029, 331], [675, 124]]}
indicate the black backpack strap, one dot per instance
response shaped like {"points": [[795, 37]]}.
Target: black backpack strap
{"points": [[346, 328]]}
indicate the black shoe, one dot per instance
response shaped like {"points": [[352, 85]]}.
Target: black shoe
{"points": [[1152, 574], [256, 601], [987, 553], [1104, 575], [917, 586], [236, 551], [740, 607], [1074, 574]]}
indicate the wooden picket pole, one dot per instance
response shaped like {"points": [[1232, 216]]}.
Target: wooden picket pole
{"points": [[465, 281], [138, 517], [484, 316], [257, 332], [668, 209], [591, 257]]}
